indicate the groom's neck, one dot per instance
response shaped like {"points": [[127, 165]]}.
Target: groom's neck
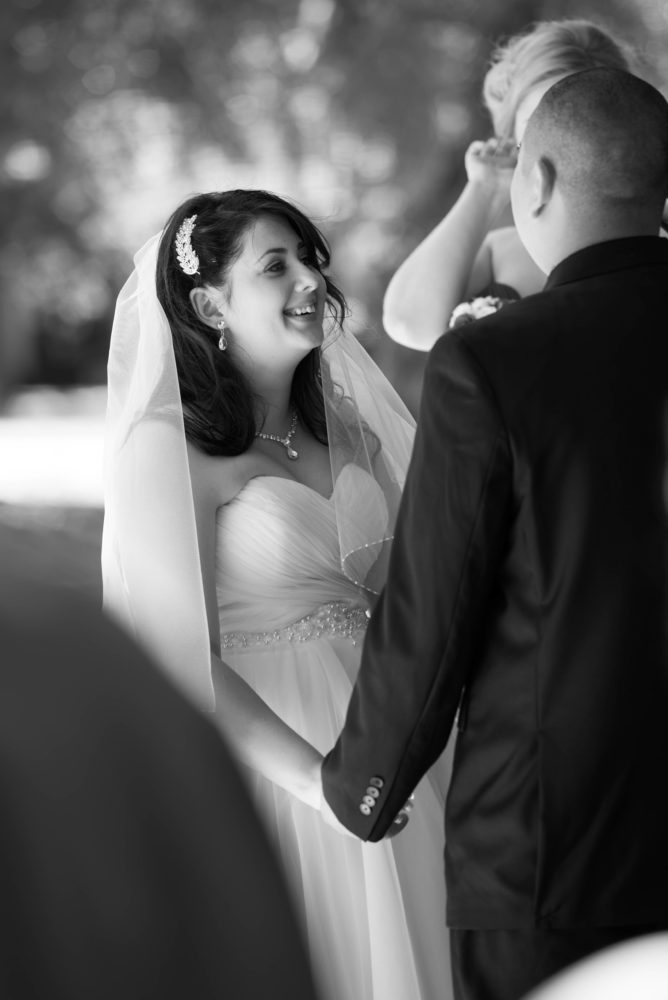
{"points": [[576, 227]]}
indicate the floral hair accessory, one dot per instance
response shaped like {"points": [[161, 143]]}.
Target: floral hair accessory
{"points": [[468, 312], [185, 254]]}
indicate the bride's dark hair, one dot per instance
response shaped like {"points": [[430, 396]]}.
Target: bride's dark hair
{"points": [[219, 407]]}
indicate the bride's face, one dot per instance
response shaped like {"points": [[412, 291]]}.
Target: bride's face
{"points": [[275, 297]]}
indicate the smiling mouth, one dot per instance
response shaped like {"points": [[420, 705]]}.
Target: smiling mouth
{"points": [[308, 310], [301, 311]]}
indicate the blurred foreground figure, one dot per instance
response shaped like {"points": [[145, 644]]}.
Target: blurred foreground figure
{"points": [[133, 865], [637, 969]]}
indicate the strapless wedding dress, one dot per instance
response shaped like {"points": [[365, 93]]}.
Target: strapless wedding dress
{"points": [[292, 625]]}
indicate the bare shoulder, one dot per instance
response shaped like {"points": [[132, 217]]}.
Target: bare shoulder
{"points": [[511, 263], [504, 240], [217, 479]]}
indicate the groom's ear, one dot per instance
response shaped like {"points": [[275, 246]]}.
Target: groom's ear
{"points": [[542, 183]]}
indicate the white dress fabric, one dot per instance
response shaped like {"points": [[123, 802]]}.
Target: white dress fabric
{"points": [[292, 626]]}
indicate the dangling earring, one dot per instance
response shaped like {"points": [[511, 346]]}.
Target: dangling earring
{"points": [[222, 340]]}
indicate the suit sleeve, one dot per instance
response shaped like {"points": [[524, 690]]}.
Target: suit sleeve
{"points": [[421, 644]]}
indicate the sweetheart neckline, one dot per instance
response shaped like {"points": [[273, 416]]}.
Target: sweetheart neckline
{"points": [[296, 482]]}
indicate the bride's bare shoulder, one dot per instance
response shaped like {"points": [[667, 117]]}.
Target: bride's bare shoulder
{"points": [[504, 239], [217, 479]]}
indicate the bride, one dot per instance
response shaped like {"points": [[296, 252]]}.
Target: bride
{"points": [[255, 459]]}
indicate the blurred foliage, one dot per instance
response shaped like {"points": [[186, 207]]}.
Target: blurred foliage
{"points": [[114, 110]]}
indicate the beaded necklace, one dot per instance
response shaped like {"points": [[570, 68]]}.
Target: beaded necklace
{"points": [[285, 441]]}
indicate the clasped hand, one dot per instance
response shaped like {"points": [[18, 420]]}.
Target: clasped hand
{"points": [[397, 825]]}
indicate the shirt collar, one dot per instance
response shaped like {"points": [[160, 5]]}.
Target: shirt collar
{"points": [[613, 255]]}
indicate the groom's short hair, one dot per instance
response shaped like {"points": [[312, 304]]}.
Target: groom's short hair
{"points": [[605, 133]]}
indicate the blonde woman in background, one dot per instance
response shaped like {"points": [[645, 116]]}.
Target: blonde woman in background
{"points": [[474, 250]]}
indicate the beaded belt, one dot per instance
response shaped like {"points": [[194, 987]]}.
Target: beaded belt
{"points": [[336, 620]]}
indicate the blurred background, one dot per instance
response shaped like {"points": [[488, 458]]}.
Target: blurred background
{"points": [[115, 110]]}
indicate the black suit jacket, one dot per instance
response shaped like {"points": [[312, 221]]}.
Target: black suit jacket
{"points": [[527, 589], [132, 863]]}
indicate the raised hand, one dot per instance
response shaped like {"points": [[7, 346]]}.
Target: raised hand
{"points": [[490, 164]]}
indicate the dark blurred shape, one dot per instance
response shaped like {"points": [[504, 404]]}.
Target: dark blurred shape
{"points": [[133, 864], [58, 545]]}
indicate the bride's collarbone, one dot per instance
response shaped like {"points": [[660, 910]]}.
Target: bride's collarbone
{"points": [[224, 476], [312, 467]]}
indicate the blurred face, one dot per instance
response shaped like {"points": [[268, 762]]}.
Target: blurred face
{"points": [[523, 191], [532, 204], [519, 201], [275, 297], [526, 107]]}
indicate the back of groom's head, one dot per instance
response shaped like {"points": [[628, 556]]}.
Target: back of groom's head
{"points": [[604, 134]]}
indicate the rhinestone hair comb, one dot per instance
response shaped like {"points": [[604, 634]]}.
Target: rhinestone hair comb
{"points": [[185, 254]]}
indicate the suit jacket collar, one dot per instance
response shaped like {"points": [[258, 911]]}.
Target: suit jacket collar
{"points": [[613, 255]]}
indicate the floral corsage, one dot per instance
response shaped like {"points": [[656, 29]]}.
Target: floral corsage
{"points": [[468, 312]]}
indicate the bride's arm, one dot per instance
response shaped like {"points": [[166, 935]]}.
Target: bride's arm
{"points": [[262, 740], [256, 734], [453, 261]]}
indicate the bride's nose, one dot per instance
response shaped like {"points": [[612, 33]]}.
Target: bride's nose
{"points": [[307, 278]]}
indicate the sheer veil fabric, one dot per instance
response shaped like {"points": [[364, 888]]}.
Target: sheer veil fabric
{"points": [[152, 580], [151, 575]]}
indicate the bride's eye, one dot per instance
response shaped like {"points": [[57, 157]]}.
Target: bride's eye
{"points": [[276, 266]]}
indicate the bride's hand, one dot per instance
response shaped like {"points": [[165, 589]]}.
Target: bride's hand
{"points": [[490, 165], [398, 823], [330, 819], [312, 794], [401, 819]]}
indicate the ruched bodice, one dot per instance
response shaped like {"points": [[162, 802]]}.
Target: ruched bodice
{"points": [[278, 555], [292, 625]]}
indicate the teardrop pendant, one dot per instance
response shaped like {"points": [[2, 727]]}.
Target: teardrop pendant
{"points": [[291, 452]]}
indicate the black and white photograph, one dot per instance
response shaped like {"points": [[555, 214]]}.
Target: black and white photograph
{"points": [[334, 500]]}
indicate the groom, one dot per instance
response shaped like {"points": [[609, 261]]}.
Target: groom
{"points": [[527, 596]]}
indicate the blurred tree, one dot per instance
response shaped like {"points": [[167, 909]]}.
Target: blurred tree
{"points": [[114, 110]]}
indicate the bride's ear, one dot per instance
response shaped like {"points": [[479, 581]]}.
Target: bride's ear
{"points": [[543, 178], [205, 307]]}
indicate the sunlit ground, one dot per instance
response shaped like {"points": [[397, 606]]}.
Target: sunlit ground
{"points": [[51, 446]]}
